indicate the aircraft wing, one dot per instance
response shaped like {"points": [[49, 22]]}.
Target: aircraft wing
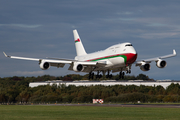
{"points": [[155, 59], [23, 58], [58, 62], [55, 63]]}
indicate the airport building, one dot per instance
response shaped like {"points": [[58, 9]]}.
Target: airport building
{"points": [[163, 83]]}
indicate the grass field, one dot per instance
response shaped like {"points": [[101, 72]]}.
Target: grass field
{"points": [[29, 112]]}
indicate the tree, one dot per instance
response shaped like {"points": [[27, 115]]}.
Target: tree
{"points": [[142, 77]]}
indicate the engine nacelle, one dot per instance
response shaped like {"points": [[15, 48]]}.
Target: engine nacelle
{"points": [[145, 67], [161, 63], [44, 65], [78, 67]]}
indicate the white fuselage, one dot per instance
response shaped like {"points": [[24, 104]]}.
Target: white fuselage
{"points": [[115, 55]]}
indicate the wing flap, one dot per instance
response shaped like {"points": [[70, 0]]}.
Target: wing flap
{"points": [[57, 65], [61, 59], [89, 66], [57, 61]]}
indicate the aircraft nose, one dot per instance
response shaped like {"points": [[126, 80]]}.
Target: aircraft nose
{"points": [[131, 58], [133, 51]]}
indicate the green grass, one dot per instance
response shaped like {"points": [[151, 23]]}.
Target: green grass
{"points": [[28, 112]]}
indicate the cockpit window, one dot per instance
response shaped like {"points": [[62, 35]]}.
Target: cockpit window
{"points": [[128, 45]]}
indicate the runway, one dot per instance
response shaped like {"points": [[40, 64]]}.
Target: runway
{"points": [[119, 105]]}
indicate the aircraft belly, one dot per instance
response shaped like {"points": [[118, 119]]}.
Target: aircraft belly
{"points": [[117, 61]]}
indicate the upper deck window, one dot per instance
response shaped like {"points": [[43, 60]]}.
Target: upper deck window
{"points": [[128, 45]]}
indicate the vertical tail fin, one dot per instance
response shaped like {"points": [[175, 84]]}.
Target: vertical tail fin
{"points": [[78, 44]]}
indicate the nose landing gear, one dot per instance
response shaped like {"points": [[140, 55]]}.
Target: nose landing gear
{"points": [[128, 71], [121, 74]]}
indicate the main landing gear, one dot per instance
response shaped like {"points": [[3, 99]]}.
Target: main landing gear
{"points": [[121, 75], [91, 75], [98, 76], [109, 76]]}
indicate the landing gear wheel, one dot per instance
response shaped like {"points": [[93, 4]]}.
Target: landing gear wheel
{"points": [[128, 71], [110, 76], [98, 76], [91, 75], [121, 75], [107, 76]]}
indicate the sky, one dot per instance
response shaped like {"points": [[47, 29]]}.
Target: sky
{"points": [[44, 28]]}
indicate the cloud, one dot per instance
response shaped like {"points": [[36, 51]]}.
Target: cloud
{"points": [[20, 25], [125, 13], [155, 36], [126, 19], [115, 19], [157, 24], [49, 45]]}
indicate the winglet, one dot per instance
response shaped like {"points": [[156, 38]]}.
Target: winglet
{"points": [[171, 55], [5, 54], [174, 52]]}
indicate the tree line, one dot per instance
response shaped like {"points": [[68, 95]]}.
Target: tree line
{"points": [[16, 90]]}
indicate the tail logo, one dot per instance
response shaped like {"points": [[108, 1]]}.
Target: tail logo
{"points": [[78, 40]]}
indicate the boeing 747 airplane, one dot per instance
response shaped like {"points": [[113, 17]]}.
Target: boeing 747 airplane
{"points": [[116, 58]]}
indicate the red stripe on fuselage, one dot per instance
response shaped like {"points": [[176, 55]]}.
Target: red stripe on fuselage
{"points": [[131, 58]]}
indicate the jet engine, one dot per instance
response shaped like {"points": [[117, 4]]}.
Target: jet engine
{"points": [[44, 65], [161, 63], [78, 67], [145, 67]]}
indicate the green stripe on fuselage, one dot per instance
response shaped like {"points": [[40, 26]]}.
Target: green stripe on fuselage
{"points": [[123, 56]]}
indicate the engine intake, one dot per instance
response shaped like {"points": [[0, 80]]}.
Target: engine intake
{"points": [[78, 67], [44, 65], [145, 67], [161, 63]]}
